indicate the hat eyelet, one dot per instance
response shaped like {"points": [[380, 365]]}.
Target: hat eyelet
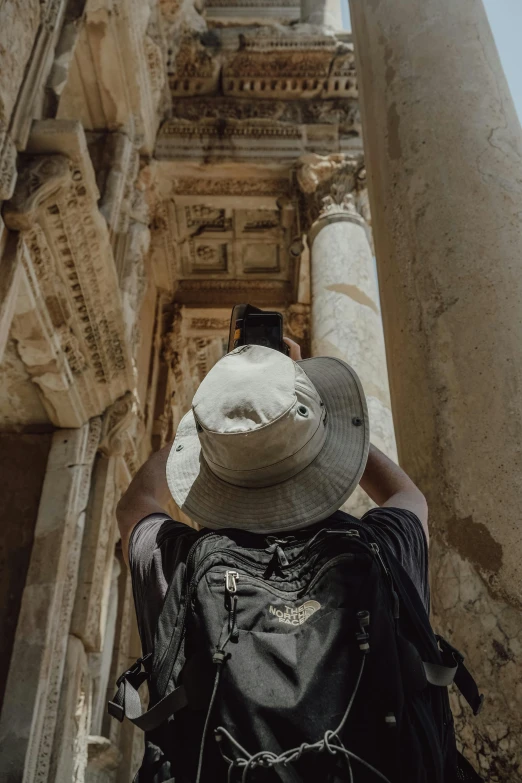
{"points": [[356, 421], [302, 411], [179, 447]]}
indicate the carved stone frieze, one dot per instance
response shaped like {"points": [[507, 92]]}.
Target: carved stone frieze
{"points": [[73, 285], [7, 164], [194, 186], [232, 141], [221, 108], [195, 68]]}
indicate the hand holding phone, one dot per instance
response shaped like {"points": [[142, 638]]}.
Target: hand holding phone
{"points": [[251, 326]]}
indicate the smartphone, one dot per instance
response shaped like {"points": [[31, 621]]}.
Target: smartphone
{"points": [[251, 326], [264, 329]]}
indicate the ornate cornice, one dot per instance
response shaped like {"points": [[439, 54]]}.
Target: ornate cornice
{"points": [[72, 338]]}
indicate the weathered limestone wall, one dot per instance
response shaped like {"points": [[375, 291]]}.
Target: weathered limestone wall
{"points": [[23, 460], [443, 147]]}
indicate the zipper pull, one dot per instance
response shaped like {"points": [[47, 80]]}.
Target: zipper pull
{"points": [[231, 578], [377, 552]]}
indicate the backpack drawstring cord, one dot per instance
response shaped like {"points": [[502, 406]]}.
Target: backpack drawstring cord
{"points": [[219, 659], [330, 743]]}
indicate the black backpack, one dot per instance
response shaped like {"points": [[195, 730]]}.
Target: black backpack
{"points": [[302, 658]]}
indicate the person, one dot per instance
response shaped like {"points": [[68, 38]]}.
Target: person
{"points": [[148, 533], [272, 445]]}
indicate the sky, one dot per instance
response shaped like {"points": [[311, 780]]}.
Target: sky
{"points": [[505, 18]]}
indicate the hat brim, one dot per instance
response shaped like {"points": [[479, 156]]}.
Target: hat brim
{"points": [[308, 497]]}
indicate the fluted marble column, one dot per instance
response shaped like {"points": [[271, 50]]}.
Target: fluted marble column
{"points": [[444, 156], [324, 13], [346, 320]]}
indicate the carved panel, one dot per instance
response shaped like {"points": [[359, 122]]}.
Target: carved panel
{"points": [[238, 141], [69, 266], [226, 242]]}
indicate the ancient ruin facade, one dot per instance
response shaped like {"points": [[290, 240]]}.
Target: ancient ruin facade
{"points": [[163, 160]]}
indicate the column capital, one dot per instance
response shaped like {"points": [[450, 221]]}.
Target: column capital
{"points": [[333, 212], [331, 187]]}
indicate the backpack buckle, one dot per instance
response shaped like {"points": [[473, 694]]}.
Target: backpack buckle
{"points": [[134, 669], [446, 647]]}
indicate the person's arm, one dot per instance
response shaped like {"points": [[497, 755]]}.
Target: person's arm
{"points": [[388, 485], [148, 493]]}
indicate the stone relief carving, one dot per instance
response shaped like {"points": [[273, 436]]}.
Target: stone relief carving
{"points": [[7, 164], [40, 178], [193, 186], [330, 185], [72, 271], [116, 422]]}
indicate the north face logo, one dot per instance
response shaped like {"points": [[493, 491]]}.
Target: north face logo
{"points": [[295, 615]]}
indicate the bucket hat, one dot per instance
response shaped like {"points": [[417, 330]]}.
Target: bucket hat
{"points": [[270, 444]]}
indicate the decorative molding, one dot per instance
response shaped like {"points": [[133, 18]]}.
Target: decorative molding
{"points": [[37, 71], [7, 164], [261, 4], [127, 74], [193, 186], [72, 283], [330, 186]]}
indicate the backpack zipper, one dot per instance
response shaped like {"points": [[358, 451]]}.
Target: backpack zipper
{"points": [[183, 611], [231, 578], [377, 552]]}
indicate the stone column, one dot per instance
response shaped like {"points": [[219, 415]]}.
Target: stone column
{"points": [[30, 708], [443, 149], [324, 13], [346, 319]]}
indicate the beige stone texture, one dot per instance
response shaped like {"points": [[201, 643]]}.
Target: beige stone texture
{"points": [[20, 20], [70, 751], [443, 147], [95, 574], [29, 712]]}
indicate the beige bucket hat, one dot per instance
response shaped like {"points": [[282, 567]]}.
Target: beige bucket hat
{"points": [[270, 444]]}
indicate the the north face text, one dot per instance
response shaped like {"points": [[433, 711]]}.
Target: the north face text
{"points": [[295, 615]]}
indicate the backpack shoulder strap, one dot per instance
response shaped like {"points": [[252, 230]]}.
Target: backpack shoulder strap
{"points": [[454, 671], [127, 703]]}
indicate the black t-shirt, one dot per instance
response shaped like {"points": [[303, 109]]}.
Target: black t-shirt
{"points": [[156, 548]]}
